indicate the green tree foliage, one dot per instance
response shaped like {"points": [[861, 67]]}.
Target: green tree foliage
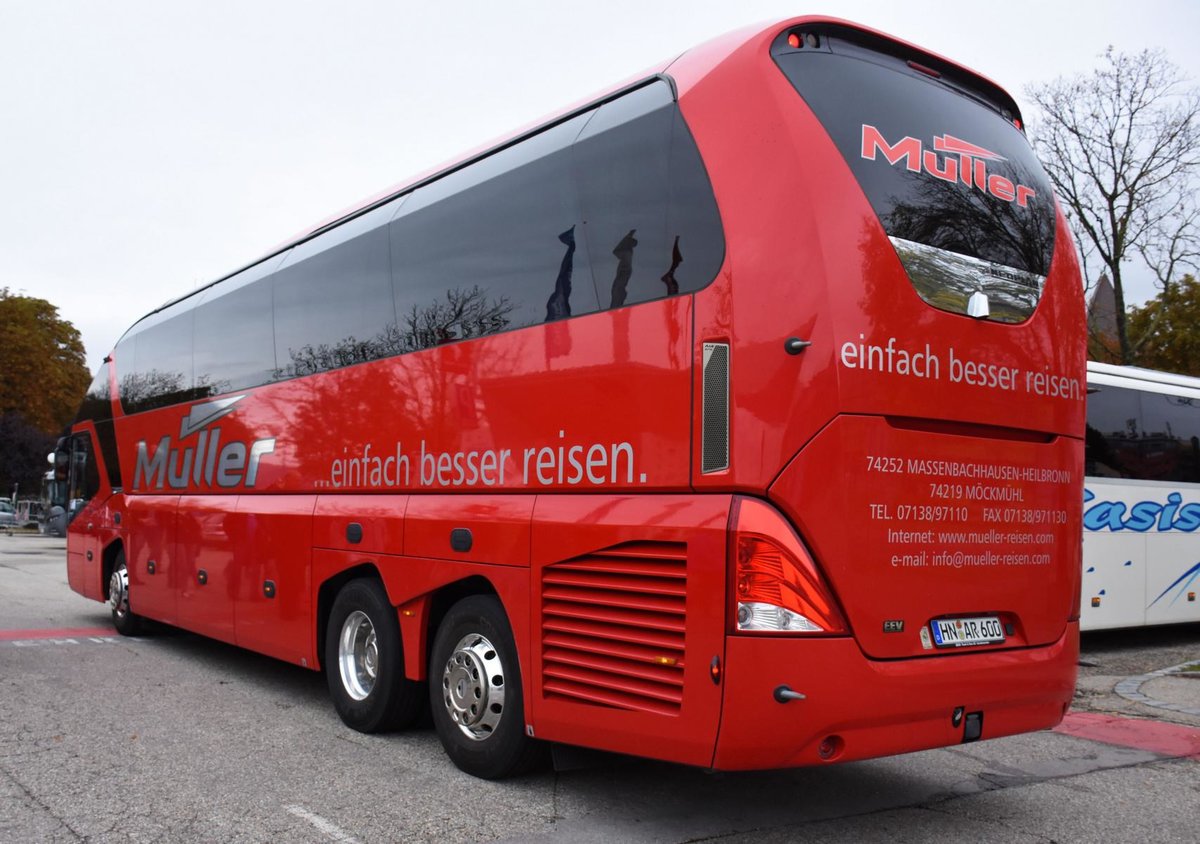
{"points": [[1170, 326], [43, 376]]}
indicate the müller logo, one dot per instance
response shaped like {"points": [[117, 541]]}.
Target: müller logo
{"points": [[208, 460], [951, 159]]}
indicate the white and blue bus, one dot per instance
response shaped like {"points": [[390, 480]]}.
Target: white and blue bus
{"points": [[1141, 510]]}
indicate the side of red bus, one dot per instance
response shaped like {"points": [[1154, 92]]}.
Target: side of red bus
{"points": [[733, 419]]}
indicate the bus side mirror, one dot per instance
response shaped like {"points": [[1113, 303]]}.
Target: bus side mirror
{"points": [[59, 485]]}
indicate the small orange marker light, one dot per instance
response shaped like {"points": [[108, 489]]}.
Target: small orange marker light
{"points": [[714, 670], [1095, 602], [666, 660]]}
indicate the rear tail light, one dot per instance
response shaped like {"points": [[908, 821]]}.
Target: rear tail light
{"points": [[776, 585]]}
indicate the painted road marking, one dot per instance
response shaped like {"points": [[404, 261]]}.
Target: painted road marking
{"points": [[1172, 740], [54, 633], [328, 828]]}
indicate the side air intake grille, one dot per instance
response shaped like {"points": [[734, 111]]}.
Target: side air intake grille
{"points": [[613, 627], [714, 438]]}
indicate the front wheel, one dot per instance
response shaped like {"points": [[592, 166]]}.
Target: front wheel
{"points": [[123, 619], [364, 661], [475, 692]]}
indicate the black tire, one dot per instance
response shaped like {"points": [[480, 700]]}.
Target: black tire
{"points": [[366, 676], [126, 622], [489, 740]]}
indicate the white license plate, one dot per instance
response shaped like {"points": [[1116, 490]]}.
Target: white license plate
{"points": [[961, 632]]}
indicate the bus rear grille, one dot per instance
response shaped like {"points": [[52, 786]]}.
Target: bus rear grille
{"points": [[613, 625]]}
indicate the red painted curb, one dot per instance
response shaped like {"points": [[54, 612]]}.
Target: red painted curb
{"points": [[1173, 740], [54, 633]]}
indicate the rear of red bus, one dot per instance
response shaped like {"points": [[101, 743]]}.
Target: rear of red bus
{"points": [[898, 337]]}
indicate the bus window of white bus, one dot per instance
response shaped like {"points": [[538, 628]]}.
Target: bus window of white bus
{"points": [[1141, 522]]}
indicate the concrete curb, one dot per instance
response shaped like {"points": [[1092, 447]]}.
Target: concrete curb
{"points": [[1130, 689]]}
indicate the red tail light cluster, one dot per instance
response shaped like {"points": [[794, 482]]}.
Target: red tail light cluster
{"points": [[776, 585]]}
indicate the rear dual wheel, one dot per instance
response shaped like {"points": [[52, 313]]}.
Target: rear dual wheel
{"points": [[475, 692], [474, 679]]}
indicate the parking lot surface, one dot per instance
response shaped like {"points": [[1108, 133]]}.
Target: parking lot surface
{"points": [[173, 737]]}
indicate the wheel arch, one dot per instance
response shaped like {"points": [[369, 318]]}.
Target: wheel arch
{"points": [[327, 593], [421, 605], [482, 697], [441, 600], [108, 560]]}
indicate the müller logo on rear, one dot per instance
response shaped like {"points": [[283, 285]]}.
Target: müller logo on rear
{"points": [[207, 461], [951, 159]]}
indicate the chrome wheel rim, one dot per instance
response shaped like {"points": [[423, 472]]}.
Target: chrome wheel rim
{"points": [[358, 655], [473, 687], [118, 591]]}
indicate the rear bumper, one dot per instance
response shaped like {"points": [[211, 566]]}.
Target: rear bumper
{"points": [[879, 708]]}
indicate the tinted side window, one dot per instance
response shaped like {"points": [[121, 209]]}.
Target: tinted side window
{"points": [[235, 345], [693, 220], [502, 243], [97, 406], [651, 221], [1144, 436], [162, 362], [84, 480], [1114, 421], [122, 359], [1171, 437], [97, 403], [333, 298], [493, 246]]}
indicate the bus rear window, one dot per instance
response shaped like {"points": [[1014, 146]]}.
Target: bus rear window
{"points": [[953, 181]]}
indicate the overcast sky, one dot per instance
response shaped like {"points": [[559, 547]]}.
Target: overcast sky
{"points": [[149, 147]]}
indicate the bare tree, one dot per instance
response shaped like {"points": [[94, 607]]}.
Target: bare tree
{"points": [[1122, 148]]}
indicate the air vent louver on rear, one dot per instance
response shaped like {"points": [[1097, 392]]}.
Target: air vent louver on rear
{"points": [[613, 626]]}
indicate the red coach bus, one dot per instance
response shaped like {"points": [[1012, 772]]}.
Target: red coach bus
{"points": [[733, 418]]}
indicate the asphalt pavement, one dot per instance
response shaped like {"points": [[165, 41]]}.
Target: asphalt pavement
{"points": [[173, 737]]}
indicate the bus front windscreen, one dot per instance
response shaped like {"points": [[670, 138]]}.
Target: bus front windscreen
{"points": [[951, 178]]}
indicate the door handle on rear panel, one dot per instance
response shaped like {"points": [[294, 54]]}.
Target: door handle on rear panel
{"points": [[794, 345]]}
